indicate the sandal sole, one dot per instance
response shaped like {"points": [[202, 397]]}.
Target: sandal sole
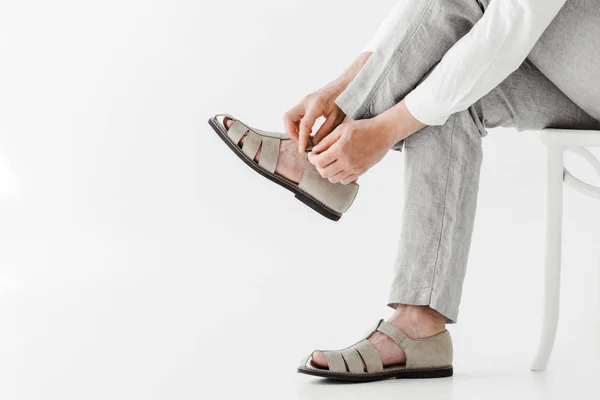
{"points": [[402, 374], [300, 195]]}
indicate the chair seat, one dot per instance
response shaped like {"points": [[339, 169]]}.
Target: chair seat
{"points": [[570, 137]]}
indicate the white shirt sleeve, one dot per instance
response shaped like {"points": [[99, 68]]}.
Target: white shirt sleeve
{"points": [[496, 46]]}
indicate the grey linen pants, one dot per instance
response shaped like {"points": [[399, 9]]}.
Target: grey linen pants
{"points": [[557, 86]]}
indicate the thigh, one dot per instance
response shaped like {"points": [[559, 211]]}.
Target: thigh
{"points": [[423, 32], [568, 53], [527, 100]]}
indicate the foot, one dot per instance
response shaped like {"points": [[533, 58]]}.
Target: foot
{"points": [[290, 163], [417, 322]]}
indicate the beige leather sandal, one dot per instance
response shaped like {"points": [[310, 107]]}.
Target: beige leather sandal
{"points": [[328, 199], [425, 358]]}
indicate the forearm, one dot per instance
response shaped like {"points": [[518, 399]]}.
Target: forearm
{"points": [[337, 86], [396, 123], [496, 46], [357, 65], [350, 73]]}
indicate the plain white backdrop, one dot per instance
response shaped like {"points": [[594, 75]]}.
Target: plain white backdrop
{"points": [[139, 258]]}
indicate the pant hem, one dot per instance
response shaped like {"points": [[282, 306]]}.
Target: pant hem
{"points": [[347, 102], [422, 297]]}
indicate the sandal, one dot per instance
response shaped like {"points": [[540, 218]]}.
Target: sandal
{"points": [[328, 199], [430, 357]]}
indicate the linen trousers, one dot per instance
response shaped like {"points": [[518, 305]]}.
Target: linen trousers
{"points": [[558, 86]]}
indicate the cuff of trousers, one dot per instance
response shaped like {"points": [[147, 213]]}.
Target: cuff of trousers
{"points": [[401, 294], [354, 102]]}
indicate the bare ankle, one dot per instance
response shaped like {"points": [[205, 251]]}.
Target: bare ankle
{"points": [[419, 321]]}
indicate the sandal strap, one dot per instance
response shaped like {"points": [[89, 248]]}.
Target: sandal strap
{"points": [[393, 333], [353, 360], [237, 132], [225, 115], [268, 145], [370, 355], [371, 331], [433, 350], [335, 361], [261, 132], [269, 153], [251, 145]]}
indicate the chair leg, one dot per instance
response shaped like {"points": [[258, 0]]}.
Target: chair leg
{"points": [[554, 207]]}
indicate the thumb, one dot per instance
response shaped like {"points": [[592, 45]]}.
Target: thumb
{"points": [[328, 141], [328, 126], [306, 125]]}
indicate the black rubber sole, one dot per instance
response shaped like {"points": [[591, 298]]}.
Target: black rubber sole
{"points": [[281, 181], [357, 378]]}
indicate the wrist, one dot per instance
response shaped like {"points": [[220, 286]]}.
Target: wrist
{"points": [[397, 122], [388, 126]]}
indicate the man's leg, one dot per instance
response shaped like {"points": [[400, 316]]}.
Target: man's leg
{"points": [[425, 31], [442, 162], [441, 185], [568, 53], [442, 179]]}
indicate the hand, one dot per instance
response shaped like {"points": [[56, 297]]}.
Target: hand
{"points": [[351, 150], [300, 120], [354, 147]]}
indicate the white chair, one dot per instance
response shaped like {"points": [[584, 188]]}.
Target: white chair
{"points": [[558, 141]]}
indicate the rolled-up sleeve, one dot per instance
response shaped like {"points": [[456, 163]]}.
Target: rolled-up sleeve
{"points": [[496, 46]]}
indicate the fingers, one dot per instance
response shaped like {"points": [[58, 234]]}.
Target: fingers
{"points": [[322, 160], [332, 121], [344, 177], [349, 179], [306, 125], [300, 120], [338, 177], [325, 153], [333, 169], [336, 173], [291, 120], [328, 141]]}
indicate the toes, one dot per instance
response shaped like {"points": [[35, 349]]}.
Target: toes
{"points": [[319, 359], [227, 122]]}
